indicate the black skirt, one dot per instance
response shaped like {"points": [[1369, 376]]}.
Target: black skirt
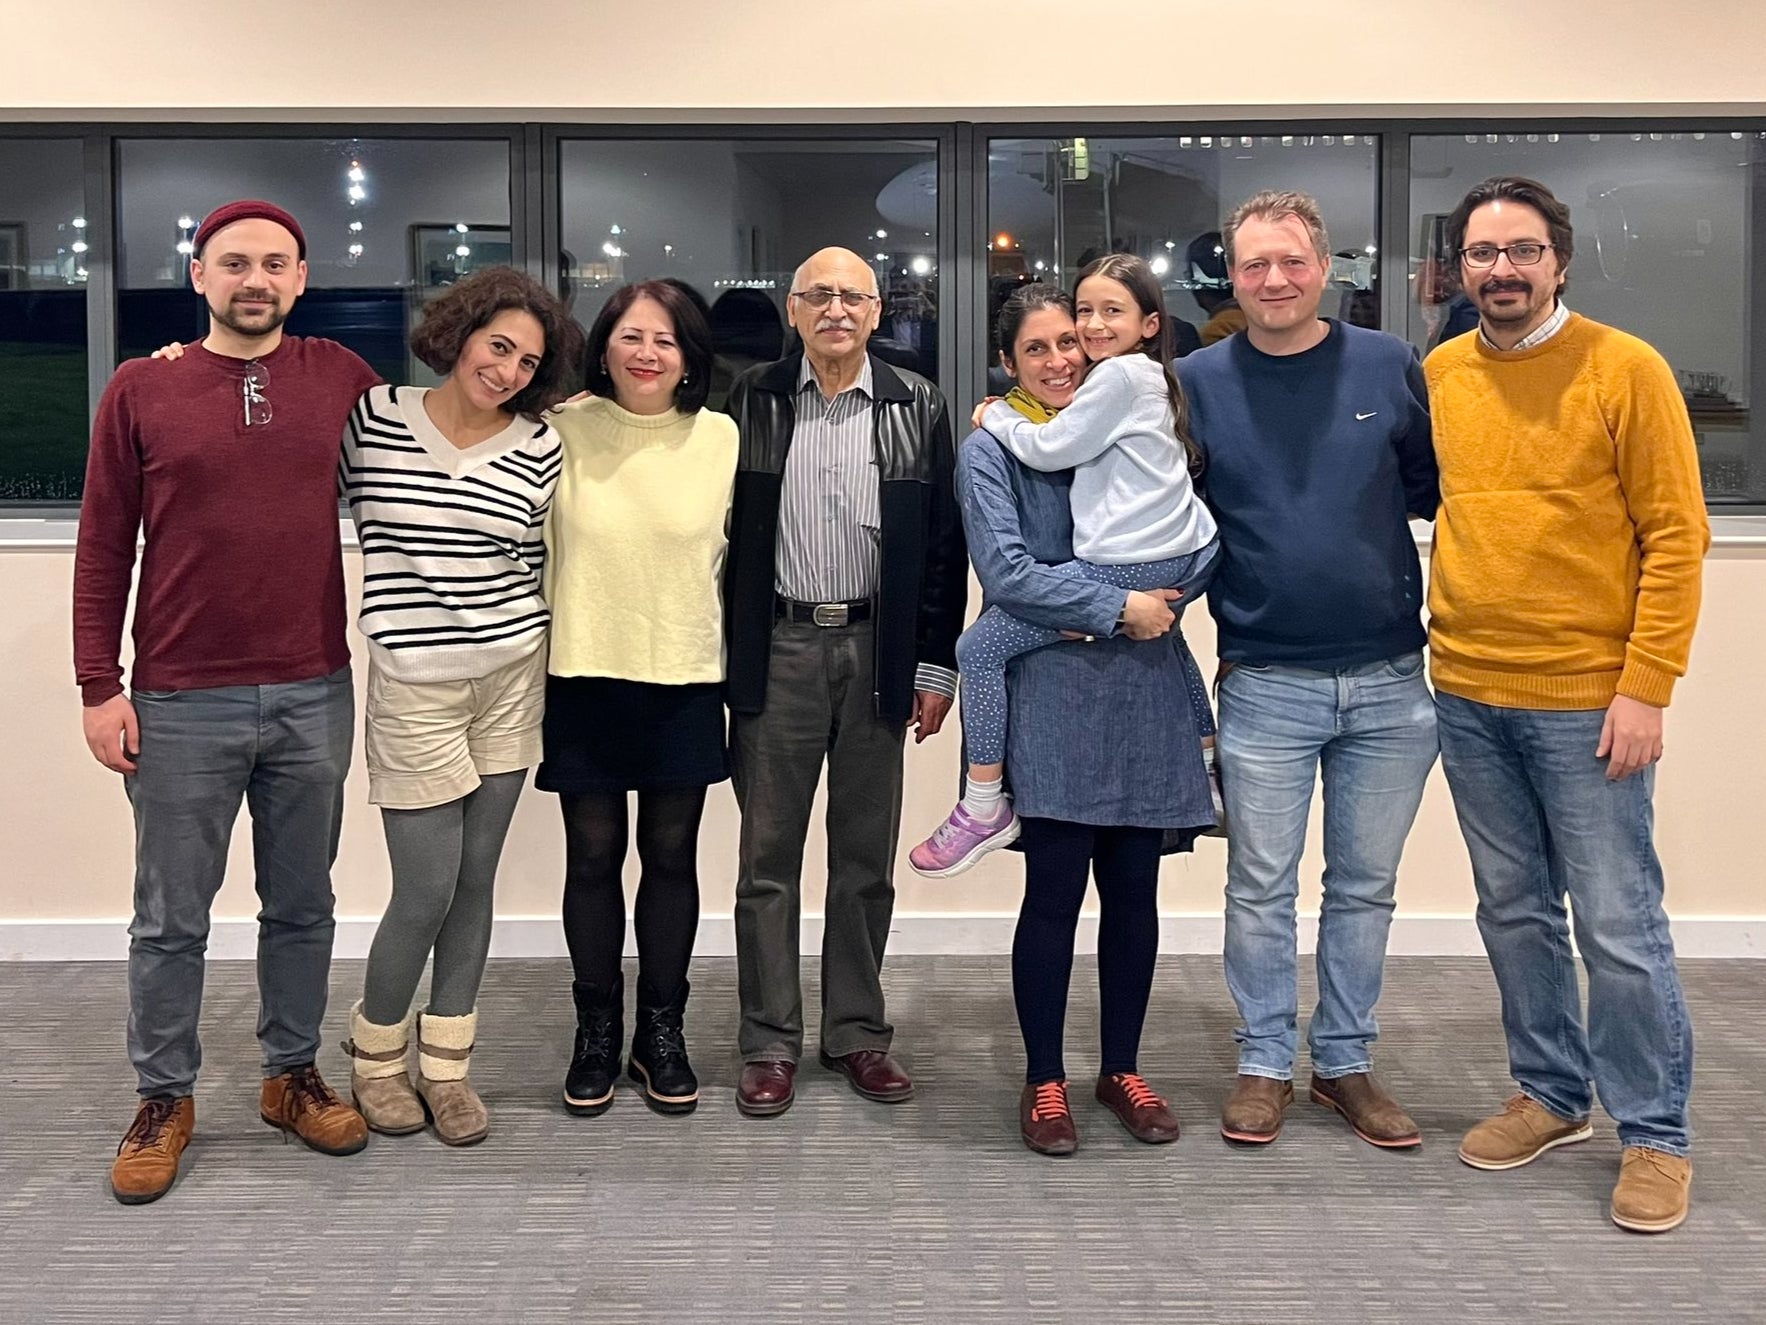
{"points": [[603, 734]]}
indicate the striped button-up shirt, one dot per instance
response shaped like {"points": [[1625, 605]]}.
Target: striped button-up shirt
{"points": [[830, 512], [831, 506]]}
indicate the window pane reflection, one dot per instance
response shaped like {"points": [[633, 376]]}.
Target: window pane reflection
{"points": [[1054, 204], [388, 222], [1669, 241], [43, 256], [733, 219]]}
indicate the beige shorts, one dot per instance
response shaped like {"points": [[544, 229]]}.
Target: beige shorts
{"points": [[429, 742]]}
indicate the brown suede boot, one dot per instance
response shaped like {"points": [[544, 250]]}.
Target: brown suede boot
{"points": [[379, 1083], [1375, 1116], [444, 1054], [147, 1159], [1253, 1113], [299, 1101]]}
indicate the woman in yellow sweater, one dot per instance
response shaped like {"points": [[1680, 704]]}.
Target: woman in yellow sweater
{"points": [[634, 691]]}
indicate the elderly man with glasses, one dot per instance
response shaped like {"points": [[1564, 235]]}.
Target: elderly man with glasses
{"points": [[1564, 589], [845, 589], [225, 463]]}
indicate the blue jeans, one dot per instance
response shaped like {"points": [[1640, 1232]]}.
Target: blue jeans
{"points": [[284, 751], [1371, 730], [1542, 822]]}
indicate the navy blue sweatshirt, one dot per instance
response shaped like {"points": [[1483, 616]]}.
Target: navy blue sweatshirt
{"points": [[1314, 461]]}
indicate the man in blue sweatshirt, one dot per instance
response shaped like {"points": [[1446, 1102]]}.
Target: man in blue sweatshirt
{"points": [[1316, 435]]}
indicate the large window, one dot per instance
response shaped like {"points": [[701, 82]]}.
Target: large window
{"points": [[1670, 237], [388, 222], [44, 251], [1053, 204], [733, 219]]}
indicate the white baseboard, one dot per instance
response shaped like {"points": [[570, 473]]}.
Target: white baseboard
{"points": [[913, 934]]}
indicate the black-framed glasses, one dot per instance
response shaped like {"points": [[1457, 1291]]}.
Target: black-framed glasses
{"points": [[820, 296], [1525, 254], [251, 386]]}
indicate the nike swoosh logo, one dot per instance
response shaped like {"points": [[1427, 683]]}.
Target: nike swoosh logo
{"points": [[1368, 415]]}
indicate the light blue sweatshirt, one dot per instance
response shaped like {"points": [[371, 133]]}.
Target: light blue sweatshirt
{"points": [[1132, 496]]}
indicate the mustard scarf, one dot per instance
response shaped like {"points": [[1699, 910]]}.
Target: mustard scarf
{"points": [[1028, 405]]}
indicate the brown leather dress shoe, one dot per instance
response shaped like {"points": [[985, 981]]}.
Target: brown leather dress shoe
{"points": [[1147, 1117], [873, 1074], [766, 1088], [1376, 1117], [147, 1159], [1046, 1121], [300, 1102], [1253, 1113]]}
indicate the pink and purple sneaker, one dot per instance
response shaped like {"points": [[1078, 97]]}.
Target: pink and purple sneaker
{"points": [[960, 841]]}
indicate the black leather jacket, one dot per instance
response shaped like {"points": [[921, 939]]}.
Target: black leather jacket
{"points": [[924, 581]]}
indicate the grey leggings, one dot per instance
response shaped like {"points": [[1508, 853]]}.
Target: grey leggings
{"points": [[444, 867]]}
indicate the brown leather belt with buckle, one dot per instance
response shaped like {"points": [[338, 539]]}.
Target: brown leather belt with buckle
{"points": [[824, 614]]}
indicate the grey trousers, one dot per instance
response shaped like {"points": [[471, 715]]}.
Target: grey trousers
{"points": [[819, 707], [284, 750]]}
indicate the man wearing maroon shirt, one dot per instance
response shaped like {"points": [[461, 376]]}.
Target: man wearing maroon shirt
{"points": [[225, 463]]}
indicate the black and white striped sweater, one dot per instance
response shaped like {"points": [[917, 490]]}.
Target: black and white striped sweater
{"points": [[451, 538]]}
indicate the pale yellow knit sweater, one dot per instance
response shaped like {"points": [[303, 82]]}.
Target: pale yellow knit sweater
{"points": [[1569, 547], [635, 543]]}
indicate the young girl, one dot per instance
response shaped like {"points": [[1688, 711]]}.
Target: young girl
{"points": [[1137, 522]]}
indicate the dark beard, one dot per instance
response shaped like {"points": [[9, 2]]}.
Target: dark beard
{"points": [[227, 318]]}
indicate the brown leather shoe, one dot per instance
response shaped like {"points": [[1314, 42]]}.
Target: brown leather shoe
{"points": [[1376, 1117], [147, 1159], [1253, 1112], [873, 1074], [1045, 1120], [766, 1088], [1146, 1116], [300, 1102]]}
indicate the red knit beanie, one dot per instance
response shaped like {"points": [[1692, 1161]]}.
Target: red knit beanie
{"points": [[247, 209]]}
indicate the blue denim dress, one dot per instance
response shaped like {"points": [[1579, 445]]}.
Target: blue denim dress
{"points": [[1101, 733]]}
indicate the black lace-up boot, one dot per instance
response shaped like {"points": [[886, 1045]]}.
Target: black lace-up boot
{"points": [[659, 1053], [594, 1062]]}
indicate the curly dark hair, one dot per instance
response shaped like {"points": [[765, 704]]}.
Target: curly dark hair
{"points": [[1515, 188], [692, 333], [452, 316]]}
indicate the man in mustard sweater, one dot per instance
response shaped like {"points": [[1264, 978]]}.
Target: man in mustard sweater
{"points": [[1564, 589]]}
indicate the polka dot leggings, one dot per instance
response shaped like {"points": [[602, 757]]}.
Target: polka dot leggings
{"points": [[997, 637]]}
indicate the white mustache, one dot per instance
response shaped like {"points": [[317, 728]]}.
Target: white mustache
{"points": [[836, 324]]}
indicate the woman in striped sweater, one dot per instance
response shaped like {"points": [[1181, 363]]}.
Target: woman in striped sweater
{"points": [[450, 487]]}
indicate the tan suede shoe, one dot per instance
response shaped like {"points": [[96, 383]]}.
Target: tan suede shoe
{"points": [[1253, 1112], [1369, 1109], [1654, 1190], [1520, 1134], [147, 1159], [380, 1086], [300, 1102]]}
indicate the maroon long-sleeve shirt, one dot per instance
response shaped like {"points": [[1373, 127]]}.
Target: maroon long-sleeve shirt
{"points": [[242, 573]]}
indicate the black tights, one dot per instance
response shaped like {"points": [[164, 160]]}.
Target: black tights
{"points": [[1058, 857], [596, 832]]}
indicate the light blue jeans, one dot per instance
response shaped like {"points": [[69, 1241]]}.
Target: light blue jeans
{"points": [[1542, 822], [1370, 730]]}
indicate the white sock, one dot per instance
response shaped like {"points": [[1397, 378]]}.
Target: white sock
{"points": [[984, 799]]}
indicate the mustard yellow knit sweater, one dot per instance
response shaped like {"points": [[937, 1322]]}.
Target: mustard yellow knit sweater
{"points": [[1570, 542]]}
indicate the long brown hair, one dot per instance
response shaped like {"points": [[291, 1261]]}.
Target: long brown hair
{"points": [[1134, 275]]}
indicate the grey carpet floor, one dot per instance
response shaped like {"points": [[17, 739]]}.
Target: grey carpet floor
{"points": [[845, 1210]]}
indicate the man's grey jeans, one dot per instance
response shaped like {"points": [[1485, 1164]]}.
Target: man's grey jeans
{"points": [[284, 750]]}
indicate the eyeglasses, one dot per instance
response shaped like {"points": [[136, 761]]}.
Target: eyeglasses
{"points": [[1524, 254], [820, 296], [257, 408]]}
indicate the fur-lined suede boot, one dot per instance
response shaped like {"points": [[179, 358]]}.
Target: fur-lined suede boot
{"points": [[379, 1082], [444, 1053]]}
